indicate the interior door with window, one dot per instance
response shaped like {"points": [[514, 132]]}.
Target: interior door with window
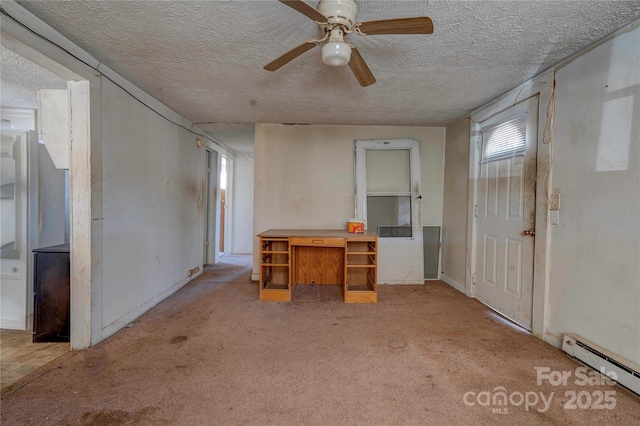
{"points": [[505, 212], [388, 199]]}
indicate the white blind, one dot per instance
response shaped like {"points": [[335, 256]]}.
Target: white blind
{"points": [[505, 140]]}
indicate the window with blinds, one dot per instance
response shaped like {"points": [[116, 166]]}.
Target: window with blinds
{"points": [[505, 140]]}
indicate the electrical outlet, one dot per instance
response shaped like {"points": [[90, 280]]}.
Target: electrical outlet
{"points": [[554, 201], [554, 217]]}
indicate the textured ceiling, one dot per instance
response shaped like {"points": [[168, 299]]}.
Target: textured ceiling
{"points": [[238, 137], [21, 79], [204, 59]]}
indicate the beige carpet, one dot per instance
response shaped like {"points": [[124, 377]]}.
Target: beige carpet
{"points": [[214, 354]]}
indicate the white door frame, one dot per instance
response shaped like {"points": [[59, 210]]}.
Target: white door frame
{"points": [[507, 302], [212, 224], [206, 203], [228, 201], [543, 86], [213, 243], [413, 273]]}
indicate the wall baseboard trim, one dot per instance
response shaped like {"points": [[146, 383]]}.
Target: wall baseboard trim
{"points": [[255, 276], [137, 312], [453, 283], [13, 324], [552, 339]]}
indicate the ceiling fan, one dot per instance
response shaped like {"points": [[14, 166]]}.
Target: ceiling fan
{"points": [[337, 19]]}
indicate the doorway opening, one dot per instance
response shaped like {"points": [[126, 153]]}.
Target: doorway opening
{"points": [[224, 166], [35, 317], [217, 201], [211, 207]]}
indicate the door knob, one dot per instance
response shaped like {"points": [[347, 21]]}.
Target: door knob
{"points": [[530, 232]]}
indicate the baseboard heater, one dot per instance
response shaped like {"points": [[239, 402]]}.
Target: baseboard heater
{"points": [[628, 373]]}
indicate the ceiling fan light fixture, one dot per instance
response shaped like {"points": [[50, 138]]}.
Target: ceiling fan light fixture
{"points": [[337, 18], [336, 53]]}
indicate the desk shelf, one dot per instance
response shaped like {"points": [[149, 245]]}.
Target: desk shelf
{"points": [[361, 270], [275, 271]]}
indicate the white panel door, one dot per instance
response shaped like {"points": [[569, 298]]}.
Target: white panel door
{"points": [[388, 199], [505, 213]]}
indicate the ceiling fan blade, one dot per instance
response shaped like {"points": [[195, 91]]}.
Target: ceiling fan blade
{"points": [[289, 56], [416, 25], [360, 69], [302, 7]]}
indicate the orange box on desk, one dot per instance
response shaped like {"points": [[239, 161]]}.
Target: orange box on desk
{"points": [[355, 226]]}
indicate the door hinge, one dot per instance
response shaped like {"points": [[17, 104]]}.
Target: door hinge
{"points": [[473, 278], [206, 243], [475, 211]]}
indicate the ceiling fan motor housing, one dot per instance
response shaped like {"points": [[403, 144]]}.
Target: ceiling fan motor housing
{"points": [[339, 12]]}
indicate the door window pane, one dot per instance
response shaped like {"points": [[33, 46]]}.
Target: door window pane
{"points": [[388, 170], [505, 140], [389, 216]]}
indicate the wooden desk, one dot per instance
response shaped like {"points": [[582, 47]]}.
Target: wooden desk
{"points": [[290, 257]]}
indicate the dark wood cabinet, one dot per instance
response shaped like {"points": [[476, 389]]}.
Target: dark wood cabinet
{"points": [[52, 294]]}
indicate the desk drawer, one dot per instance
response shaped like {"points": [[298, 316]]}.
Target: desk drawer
{"points": [[317, 241]]}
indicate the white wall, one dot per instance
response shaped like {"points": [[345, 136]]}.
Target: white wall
{"points": [[304, 175], [136, 184], [49, 228], [594, 286], [432, 144], [242, 204], [456, 192], [152, 189]]}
